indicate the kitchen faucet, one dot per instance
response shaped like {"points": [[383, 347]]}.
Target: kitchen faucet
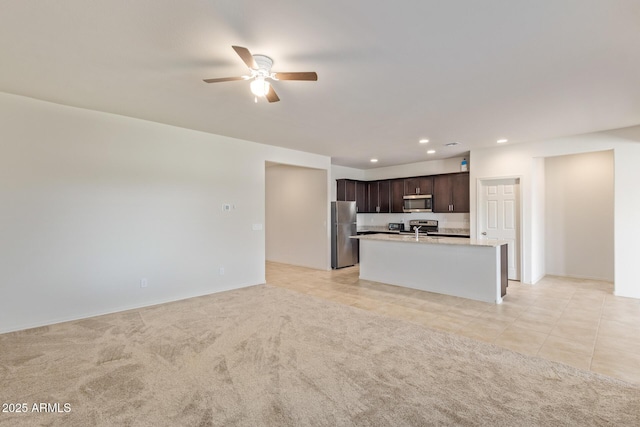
{"points": [[417, 228]]}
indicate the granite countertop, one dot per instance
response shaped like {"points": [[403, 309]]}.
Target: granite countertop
{"points": [[376, 228], [431, 240], [461, 232]]}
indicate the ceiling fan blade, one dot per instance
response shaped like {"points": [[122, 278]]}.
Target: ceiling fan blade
{"points": [[246, 56], [271, 95], [223, 79], [297, 76]]}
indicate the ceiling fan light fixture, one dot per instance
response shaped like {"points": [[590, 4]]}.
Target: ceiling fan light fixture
{"points": [[260, 69], [260, 87]]}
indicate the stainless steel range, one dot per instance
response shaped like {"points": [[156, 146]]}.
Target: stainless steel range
{"points": [[426, 226]]}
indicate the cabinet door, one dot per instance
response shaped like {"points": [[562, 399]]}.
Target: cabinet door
{"points": [[441, 193], [460, 192], [340, 189], [372, 196], [384, 194], [350, 190], [410, 186], [378, 193], [361, 196], [425, 185], [418, 185], [451, 193], [397, 192], [345, 190]]}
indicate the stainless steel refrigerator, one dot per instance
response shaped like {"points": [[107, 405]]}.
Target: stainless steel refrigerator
{"points": [[344, 251]]}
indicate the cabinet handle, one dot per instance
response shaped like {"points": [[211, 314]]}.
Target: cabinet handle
{"points": [[417, 190]]}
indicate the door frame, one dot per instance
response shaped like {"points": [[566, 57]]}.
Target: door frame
{"points": [[479, 199]]}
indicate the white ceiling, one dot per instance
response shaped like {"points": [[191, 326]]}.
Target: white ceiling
{"points": [[389, 73]]}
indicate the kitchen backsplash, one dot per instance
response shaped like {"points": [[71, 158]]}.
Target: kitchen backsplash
{"points": [[445, 220]]}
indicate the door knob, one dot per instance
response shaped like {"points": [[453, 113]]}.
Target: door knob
{"points": [[484, 233]]}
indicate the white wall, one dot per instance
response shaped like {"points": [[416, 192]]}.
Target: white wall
{"points": [[538, 225], [296, 218], [519, 160], [579, 215], [91, 202]]}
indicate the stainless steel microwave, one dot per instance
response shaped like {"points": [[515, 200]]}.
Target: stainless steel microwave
{"points": [[417, 203]]}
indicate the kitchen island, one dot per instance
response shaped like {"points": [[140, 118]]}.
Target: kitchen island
{"points": [[467, 268]]}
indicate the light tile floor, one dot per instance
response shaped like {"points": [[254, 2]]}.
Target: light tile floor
{"points": [[572, 321]]}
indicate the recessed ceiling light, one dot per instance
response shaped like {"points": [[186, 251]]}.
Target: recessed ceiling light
{"points": [[374, 160], [502, 141], [423, 141], [431, 151]]}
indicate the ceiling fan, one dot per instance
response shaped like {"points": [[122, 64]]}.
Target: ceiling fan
{"points": [[260, 67]]}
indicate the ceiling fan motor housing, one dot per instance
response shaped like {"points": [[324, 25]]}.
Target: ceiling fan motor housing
{"points": [[264, 64]]}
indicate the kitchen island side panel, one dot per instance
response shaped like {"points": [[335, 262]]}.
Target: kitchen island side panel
{"points": [[472, 272]]}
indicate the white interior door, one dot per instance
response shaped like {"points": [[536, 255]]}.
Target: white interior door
{"points": [[499, 217]]}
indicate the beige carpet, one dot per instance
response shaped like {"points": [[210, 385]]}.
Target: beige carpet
{"points": [[269, 356]]}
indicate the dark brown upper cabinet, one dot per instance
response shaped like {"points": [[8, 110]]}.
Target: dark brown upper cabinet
{"points": [[345, 190], [379, 194], [396, 194], [362, 196], [451, 193], [418, 185], [350, 190]]}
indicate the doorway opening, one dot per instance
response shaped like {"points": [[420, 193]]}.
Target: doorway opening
{"points": [[579, 216], [296, 215]]}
